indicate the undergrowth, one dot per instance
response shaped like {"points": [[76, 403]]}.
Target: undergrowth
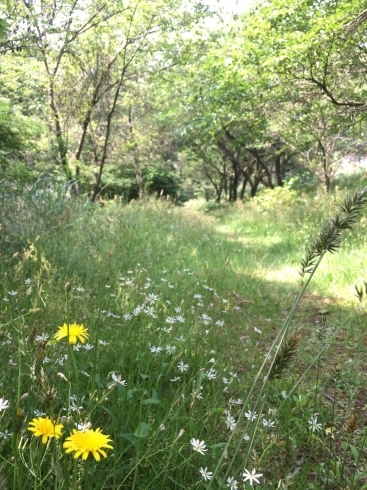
{"points": [[199, 370]]}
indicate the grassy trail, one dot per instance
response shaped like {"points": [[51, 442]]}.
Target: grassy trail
{"points": [[180, 307]]}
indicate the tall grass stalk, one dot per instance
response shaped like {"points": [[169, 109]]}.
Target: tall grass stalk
{"points": [[357, 462], [334, 377], [96, 343], [328, 240], [68, 367]]}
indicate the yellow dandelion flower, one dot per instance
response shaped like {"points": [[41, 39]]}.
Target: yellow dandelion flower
{"points": [[88, 441], [75, 331], [46, 428]]}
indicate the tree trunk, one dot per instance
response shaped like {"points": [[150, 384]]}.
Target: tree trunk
{"points": [[254, 185], [243, 188], [278, 170], [325, 167], [86, 123], [218, 193], [61, 145], [235, 182], [327, 182], [138, 177], [107, 137]]}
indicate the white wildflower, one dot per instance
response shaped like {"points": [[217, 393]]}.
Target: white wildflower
{"points": [[232, 483], [198, 446], [251, 416], [247, 476], [314, 426], [170, 349], [83, 426], [211, 374], [4, 404], [118, 379], [182, 367], [207, 475]]}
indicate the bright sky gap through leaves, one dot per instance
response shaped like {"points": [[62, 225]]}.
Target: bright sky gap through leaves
{"points": [[231, 6]]}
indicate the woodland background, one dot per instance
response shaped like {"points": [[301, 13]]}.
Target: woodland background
{"points": [[130, 98]]}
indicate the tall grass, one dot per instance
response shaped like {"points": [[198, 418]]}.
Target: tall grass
{"points": [[180, 315]]}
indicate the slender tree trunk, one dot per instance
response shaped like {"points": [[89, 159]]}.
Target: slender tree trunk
{"points": [[61, 145], [264, 170], [254, 185], [219, 194], [327, 179], [138, 176], [235, 182], [86, 122], [97, 182], [327, 182], [243, 188], [325, 167], [225, 181], [278, 170], [136, 162]]}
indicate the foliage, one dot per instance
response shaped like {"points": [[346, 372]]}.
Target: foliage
{"points": [[16, 133], [228, 106], [280, 196]]}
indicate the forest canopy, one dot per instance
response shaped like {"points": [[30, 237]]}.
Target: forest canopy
{"points": [[170, 97]]}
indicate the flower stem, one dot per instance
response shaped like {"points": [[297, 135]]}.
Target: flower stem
{"points": [[87, 485], [95, 350], [331, 437], [75, 475], [68, 352]]}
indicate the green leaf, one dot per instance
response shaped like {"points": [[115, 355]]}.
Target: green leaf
{"points": [[130, 437], [323, 311], [354, 452], [153, 400], [150, 401], [219, 410], [142, 430], [3, 28]]}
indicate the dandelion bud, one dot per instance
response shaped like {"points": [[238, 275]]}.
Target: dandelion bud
{"points": [[67, 421], [62, 376], [18, 421], [67, 287], [32, 335], [352, 424], [180, 434]]}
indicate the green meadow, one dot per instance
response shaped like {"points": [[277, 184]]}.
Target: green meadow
{"points": [[188, 354]]}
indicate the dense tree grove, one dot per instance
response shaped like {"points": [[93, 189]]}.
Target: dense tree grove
{"points": [[128, 98]]}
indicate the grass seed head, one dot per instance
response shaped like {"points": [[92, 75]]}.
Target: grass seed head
{"points": [[285, 355], [351, 425]]}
